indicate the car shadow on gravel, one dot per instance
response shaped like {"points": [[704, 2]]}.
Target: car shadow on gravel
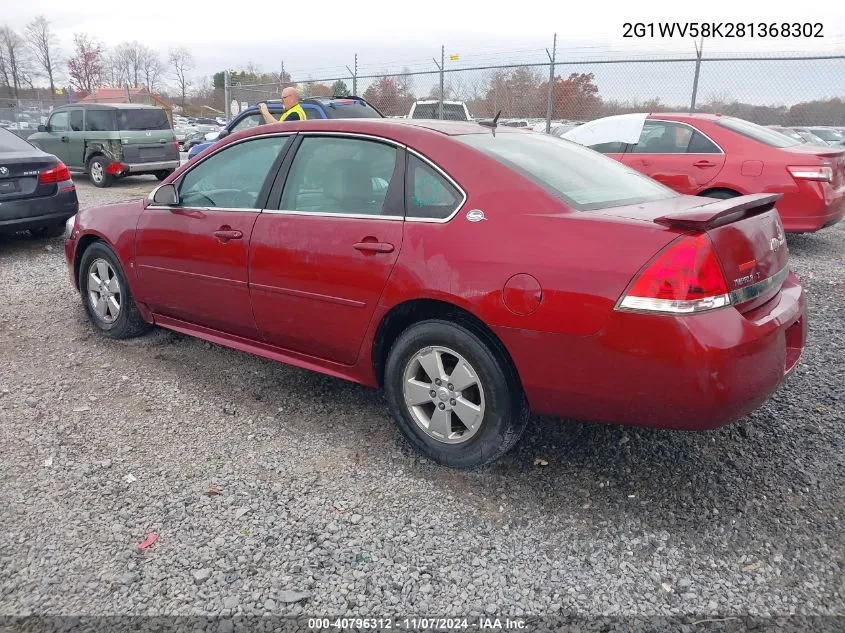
{"points": [[13, 245], [560, 470]]}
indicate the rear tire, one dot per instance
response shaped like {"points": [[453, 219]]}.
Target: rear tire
{"points": [[460, 426], [97, 172], [109, 304]]}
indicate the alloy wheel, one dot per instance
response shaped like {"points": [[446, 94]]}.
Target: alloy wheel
{"points": [[444, 394], [104, 292]]}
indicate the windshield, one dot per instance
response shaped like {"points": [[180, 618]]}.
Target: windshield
{"points": [[451, 111], [11, 142], [758, 132], [350, 109], [142, 119], [831, 136], [583, 178]]}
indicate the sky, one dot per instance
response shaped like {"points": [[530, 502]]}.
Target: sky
{"points": [[389, 34]]}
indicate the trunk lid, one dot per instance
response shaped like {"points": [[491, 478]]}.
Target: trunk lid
{"points": [[23, 170], [746, 233]]}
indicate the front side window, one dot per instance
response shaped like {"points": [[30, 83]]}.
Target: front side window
{"points": [[233, 177], [428, 193], [339, 175], [579, 176], [59, 122]]}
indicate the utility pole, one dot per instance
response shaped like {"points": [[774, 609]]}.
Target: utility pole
{"points": [[551, 84], [698, 51], [441, 66], [354, 74], [227, 95]]}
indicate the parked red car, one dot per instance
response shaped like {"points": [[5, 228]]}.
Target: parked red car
{"points": [[475, 276], [722, 157]]}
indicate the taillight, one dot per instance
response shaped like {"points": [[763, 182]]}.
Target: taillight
{"points": [[59, 173], [812, 172], [685, 278]]}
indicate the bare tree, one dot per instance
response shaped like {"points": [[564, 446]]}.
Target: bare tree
{"points": [[151, 67], [131, 56], [42, 45], [114, 71], [15, 62], [182, 62], [86, 66]]}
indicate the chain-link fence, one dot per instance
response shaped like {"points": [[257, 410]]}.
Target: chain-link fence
{"points": [[775, 89]]}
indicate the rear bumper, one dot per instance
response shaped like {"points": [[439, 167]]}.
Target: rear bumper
{"points": [[689, 373], [34, 213], [145, 168], [815, 209]]}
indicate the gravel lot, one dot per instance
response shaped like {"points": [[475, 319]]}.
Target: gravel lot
{"points": [[325, 509]]}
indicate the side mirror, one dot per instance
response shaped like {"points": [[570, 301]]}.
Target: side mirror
{"points": [[42, 128], [166, 195]]}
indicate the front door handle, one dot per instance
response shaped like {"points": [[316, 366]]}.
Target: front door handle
{"points": [[225, 233], [374, 247], [704, 163]]}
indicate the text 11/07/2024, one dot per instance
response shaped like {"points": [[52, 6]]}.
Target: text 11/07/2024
{"points": [[416, 624]]}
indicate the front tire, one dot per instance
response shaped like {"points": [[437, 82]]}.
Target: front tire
{"points": [[106, 294], [453, 395], [97, 172]]}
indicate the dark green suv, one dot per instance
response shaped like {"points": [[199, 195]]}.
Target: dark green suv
{"points": [[108, 141]]}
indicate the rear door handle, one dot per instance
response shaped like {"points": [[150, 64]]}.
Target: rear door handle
{"points": [[224, 234], [374, 247], [65, 139], [704, 163]]}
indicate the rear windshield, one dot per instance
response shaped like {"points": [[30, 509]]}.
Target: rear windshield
{"points": [[11, 142], [581, 177], [758, 132], [142, 119], [350, 109], [451, 111]]}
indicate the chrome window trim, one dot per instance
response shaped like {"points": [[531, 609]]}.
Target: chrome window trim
{"points": [[741, 295], [694, 129], [359, 216], [454, 183], [157, 207]]}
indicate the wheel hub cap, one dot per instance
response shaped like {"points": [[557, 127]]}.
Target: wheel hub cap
{"points": [[444, 395]]}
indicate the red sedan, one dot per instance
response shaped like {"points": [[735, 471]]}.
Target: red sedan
{"points": [[723, 157], [474, 274]]}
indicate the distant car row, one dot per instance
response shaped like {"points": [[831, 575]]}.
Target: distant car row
{"points": [[724, 157], [830, 136]]}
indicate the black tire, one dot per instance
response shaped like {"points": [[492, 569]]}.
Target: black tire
{"points": [[164, 173], [505, 410], [97, 165], [129, 322], [721, 194]]}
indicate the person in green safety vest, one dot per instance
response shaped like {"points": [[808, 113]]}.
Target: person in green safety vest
{"points": [[293, 111]]}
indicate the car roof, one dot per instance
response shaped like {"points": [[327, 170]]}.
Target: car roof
{"points": [[386, 126], [108, 106]]}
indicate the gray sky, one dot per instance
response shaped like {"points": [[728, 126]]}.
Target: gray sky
{"points": [[322, 41]]}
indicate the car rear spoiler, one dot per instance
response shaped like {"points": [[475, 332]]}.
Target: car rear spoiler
{"points": [[720, 212]]}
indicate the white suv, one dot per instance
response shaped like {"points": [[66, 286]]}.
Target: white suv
{"points": [[452, 110]]}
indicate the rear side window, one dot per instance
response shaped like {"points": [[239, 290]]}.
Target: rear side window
{"points": [[100, 121], [700, 144], [582, 178], [142, 119], [428, 193], [757, 132]]}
